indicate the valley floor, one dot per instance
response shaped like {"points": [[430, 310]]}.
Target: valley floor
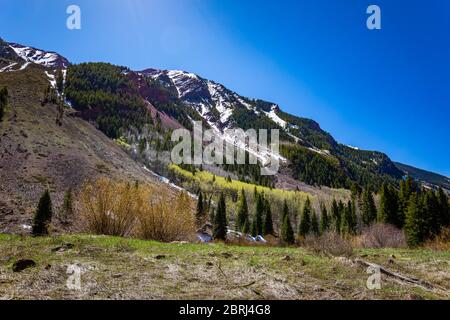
{"points": [[117, 268]]}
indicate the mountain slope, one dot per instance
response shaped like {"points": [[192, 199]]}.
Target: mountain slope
{"points": [[117, 99], [425, 176], [312, 152], [36, 153]]}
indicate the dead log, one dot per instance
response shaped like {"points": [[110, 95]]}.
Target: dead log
{"points": [[414, 281]]}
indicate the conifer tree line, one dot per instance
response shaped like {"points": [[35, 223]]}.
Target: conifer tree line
{"points": [[421, 213], [3, 101]]}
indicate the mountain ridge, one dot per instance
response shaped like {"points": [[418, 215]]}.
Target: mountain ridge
{"points": [[221, 108]]}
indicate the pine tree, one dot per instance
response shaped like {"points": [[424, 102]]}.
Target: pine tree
{"points": [[414, 221], [305, 222], [407, 187], [336, 215], [259, 211], [67, 208], [287, 233], [268, 222], [43, 215], [324, 219], [60, 81], [444, 210], [3, 101], [349, 221], [285, 211], [388, 211], [315, 223], [200, 212], [242, 216], [368, 210], [431, 215], [220, 220]]}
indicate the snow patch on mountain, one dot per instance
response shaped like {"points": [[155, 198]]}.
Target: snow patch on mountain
{"points": [[275, 118], [183, 81], [52, 79], [220, 101], [43, 58], [8, 67]]}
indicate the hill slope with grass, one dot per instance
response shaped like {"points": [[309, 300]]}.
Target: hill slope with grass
{"points": [[36, 153]]}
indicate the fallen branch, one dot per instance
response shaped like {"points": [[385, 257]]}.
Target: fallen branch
{"points": [[414, 281]]}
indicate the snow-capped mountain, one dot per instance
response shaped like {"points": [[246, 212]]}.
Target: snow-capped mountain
{"points": [[180, 97], [215, 103], [21, 56], [40, 57]]}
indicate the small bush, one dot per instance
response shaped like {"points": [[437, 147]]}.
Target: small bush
{"points": [[120, 209], [108, 207], [164, 219], [329, 243], [383, 236]]}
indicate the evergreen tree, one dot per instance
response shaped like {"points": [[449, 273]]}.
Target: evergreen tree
{"points": [[285, 211], [60, 81], [287, 233], [305, 221], [220, 220], [268, 222], [242, 216], [324, 219], [67, 208], [254, 228], [349, 221], [315, 223], [388, 211], [3, 101], [246, 227], [43, 215], [368, 210], [336, 215], [259, 211], [200, 212], [407, 187], [431, 215], [444, 212], [341, 210], [414, 221]]}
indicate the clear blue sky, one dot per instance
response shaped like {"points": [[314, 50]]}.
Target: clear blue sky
{"points": [[385, 90]]}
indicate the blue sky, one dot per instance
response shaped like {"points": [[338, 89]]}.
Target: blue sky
{"points": [[386, 90]]}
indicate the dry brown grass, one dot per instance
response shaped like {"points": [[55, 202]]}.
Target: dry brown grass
{"points": [[117, 208], [441, 242]]}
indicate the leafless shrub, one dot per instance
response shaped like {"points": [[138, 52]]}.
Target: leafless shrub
{"points": [[108, 207], [166, 220], [383, 236], [119, 209], [329, 243]]}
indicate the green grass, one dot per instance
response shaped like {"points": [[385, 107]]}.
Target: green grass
{"points": [[119, 268]]}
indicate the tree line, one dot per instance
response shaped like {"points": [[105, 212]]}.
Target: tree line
{"points": [[421, 213]]}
